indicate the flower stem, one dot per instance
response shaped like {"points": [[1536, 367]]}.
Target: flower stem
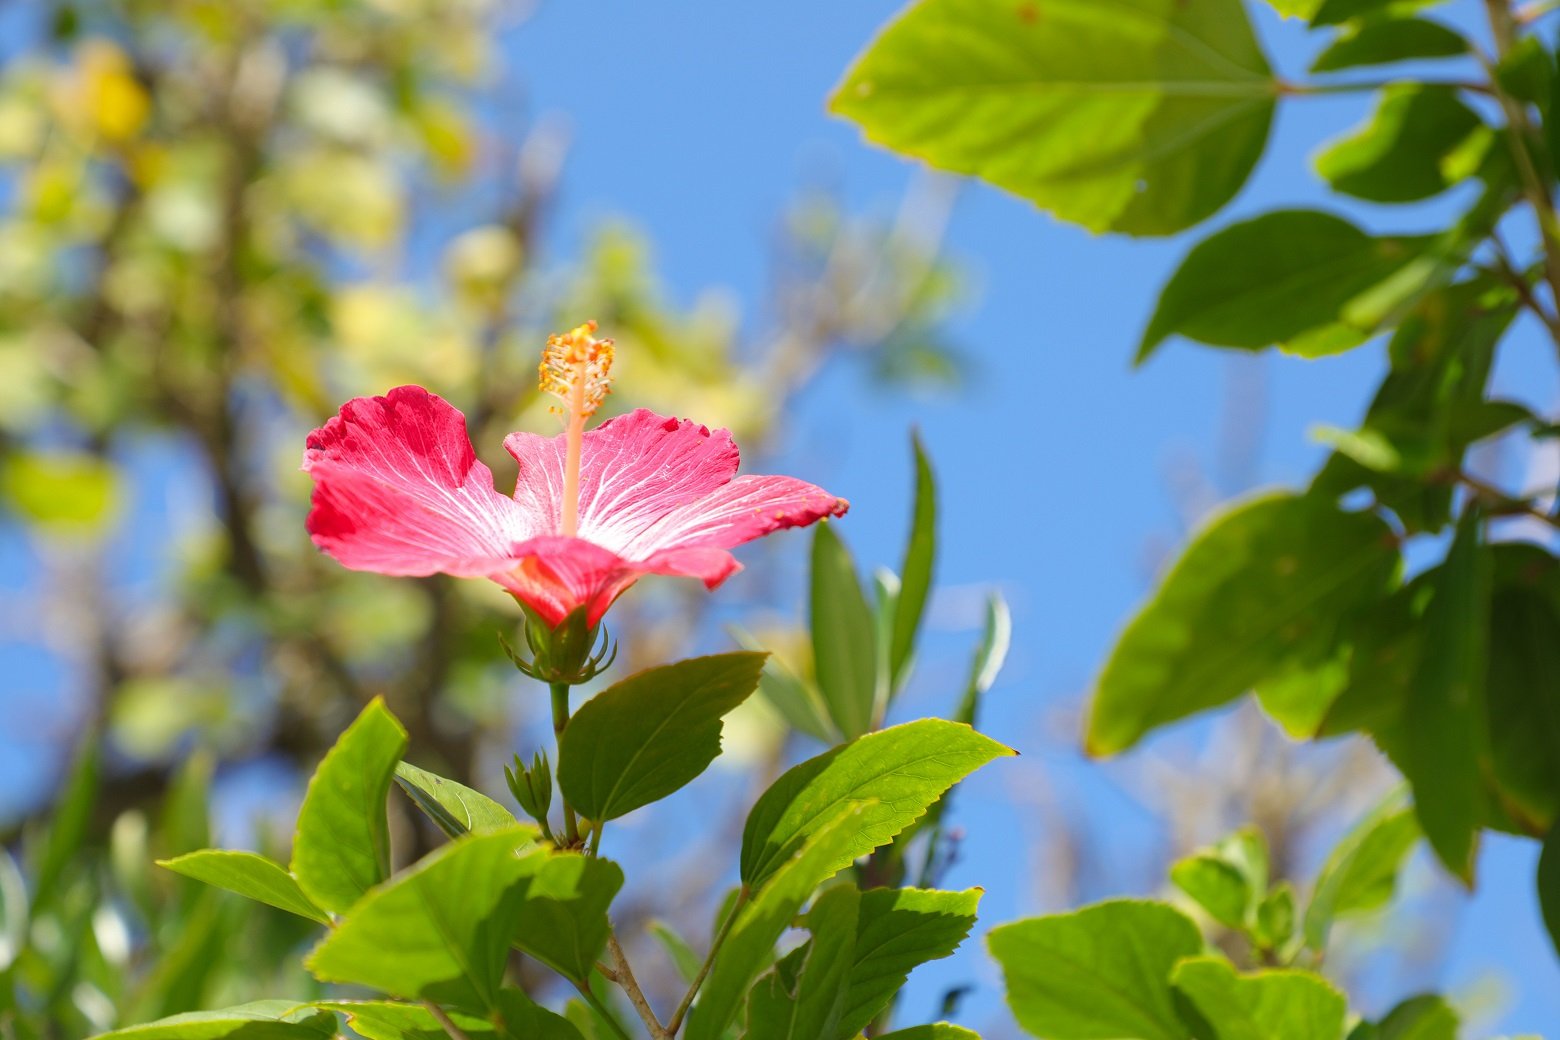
{"points": [[560, 706], [676, 1020]]}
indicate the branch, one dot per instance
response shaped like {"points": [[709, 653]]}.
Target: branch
{"points": [[636, 996]]}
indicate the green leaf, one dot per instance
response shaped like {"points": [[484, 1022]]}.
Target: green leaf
{"points": [[1142, 116], [808, 1006], [1425, 1017], [900, 771], [250, 875], [642, 738], [844, 636], [439, 930], [683, 957], [1336, 12], [1228, 880], [1269, 279], [1400, 154], [457, 809], [260, 1020], [1444, 739], [1264, 585], [1272, 1005], [898, 929], [388, 1020], [1549, 885], [1103, 971], [1522, 691], [797, 700], [915, 574], [69, 822], [563, 912], [1386, 42], [1361, 872], [935, 1031], [1276, 916], [59, 492], [762, 920], [342, 845], [995, 639]]}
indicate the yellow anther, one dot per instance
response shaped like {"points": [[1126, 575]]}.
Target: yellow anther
{"points": [[576, 368]]}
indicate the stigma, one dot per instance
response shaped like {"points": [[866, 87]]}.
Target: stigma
{"points": [[576, 368]]}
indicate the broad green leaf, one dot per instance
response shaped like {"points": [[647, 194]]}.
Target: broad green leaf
{"points": [[844, 636], [1270, 279], [61, 493], [389, 1020], [1103, 971], [250, 875], [1444, 738], [809, 1006], [915, 574], [1228, 880], [1425, 1017], [760, 922], [1263, 585], [1549, 885], [642, 738], [457, 809], [900, 771], [439, 930], [1264, 1005], [1522, 690], [1141, 116], [563, 912], [342, 845], [1337, 12], [935, 1031], [1400, 154], [898, 929], [260, 1020], [1385, 42], [1361, 872]]}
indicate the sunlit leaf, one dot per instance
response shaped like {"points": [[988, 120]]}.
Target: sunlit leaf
{"points": [[251, 876], [1361, 872], [1142, 116], [456, 808], [1400, 154], [260, 1020], [1274, 1005]]}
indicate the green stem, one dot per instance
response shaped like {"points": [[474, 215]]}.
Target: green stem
{"points": [[453, 1031], [560, 706], [673, 1023]]}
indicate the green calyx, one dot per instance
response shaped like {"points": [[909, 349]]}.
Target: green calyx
{"points": [[572, 652]]}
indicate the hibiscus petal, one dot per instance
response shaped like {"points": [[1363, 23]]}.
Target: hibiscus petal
{"points": [[399, 490], [557, 574], [634, 469], [747, 508]]}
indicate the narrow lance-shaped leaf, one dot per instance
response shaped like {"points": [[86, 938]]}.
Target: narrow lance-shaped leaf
{"points": [[1444, 738], [1260, 587], [915, 574], [1362, 870], [645, 737], [844, 636], [1142, 116], [1103, 971], [900, 771], [342, 845]]}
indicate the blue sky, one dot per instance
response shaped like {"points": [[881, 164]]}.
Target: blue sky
{"points": [[701, 119], [1059, 464]]}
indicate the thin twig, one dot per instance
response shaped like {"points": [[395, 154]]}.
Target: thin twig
{"points": [[1503, 502], [601, 1010], [455, 1032], [636, 996], [675, 1022]]}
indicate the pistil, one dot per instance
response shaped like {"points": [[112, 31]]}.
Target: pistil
{"points": [[576, 368]]}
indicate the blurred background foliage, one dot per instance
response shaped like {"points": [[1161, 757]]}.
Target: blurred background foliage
{"points": [[221, 218]]}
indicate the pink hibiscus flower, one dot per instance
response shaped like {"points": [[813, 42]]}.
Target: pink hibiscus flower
{"points": [[399, 490]]}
